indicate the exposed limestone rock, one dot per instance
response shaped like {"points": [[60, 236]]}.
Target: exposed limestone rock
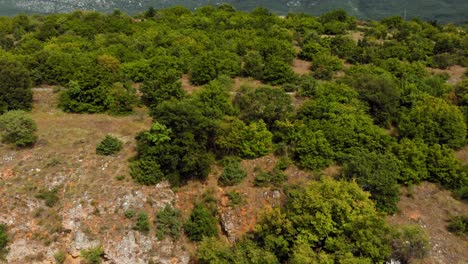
{"points": [[80, 242], [27, 251], [227, 220], [132, 248]]}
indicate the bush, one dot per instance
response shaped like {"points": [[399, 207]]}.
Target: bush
{"points": [[200, 224], [50, 197], [274, 177], [458, 225], [233, 173], [334, 218], [377, 174], [146, 171], [3, 241], [92, 255], [324, 65], [109, 145], [168, 222], [409, 243], [17, 128], [142, 223], [60, 257], [235, 198], [15, 87], [436, 122]]}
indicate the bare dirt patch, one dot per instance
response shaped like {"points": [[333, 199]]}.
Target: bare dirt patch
{"points": [[431, 207], [455, 72], [301, 67], [187, 85]]}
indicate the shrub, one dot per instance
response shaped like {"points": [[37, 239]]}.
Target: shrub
{"points": [[235, 198], [200, 224], [233, 173], [50, 197], [60, 257], [17, 128], [458, 224], [130, 213], [283, 163], [409, 243], [324, 65], [146, 171], [168, 222], [436, 122], [109, 145], [142, 223], [334, 218], [3, 241], [92, 255], [274, 177], [377, 174], [15, 86]]}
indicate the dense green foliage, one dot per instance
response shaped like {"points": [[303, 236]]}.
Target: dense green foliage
{"points": [[3, 241], [168, 222], [17, 128], [220, 87], [447, 11], [333, 220], [458, 225], [15, 86], [50, 197], [201, 223], [233, 173], [109, 145], [377, 174], [142, 223], [92, 255]]}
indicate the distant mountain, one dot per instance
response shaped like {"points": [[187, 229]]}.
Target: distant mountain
{"points": [[455, 11]]}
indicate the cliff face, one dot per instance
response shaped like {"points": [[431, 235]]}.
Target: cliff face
{"points": [[442, 10]]}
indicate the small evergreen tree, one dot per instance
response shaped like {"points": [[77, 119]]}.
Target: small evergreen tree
{"points": [[109, 145], [18, 129]]}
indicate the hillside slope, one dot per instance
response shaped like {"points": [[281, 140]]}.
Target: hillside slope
{"points": [[442, 10]]}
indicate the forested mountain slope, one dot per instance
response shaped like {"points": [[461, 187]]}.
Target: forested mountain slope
{"points": [[442, 10], [218, 136]]}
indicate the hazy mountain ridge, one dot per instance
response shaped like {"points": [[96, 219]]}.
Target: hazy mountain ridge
{"points": [[442, 10]]}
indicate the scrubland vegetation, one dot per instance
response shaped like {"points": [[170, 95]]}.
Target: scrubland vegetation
{"points": [[369, 105]]}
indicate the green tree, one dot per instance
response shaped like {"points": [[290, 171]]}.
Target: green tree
{"points": [[334, 218], [253, 65], [109, 145], [3, 241], [18, 129], [435, 122], [324, 65], [445, 168], [312, 149], [377, 174], [168, 222], [200, 224], [413, 157], [166, 87], [267, 103], [379, 90], [276, 71], [233, 173], [210, 65], [15, 86]]}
